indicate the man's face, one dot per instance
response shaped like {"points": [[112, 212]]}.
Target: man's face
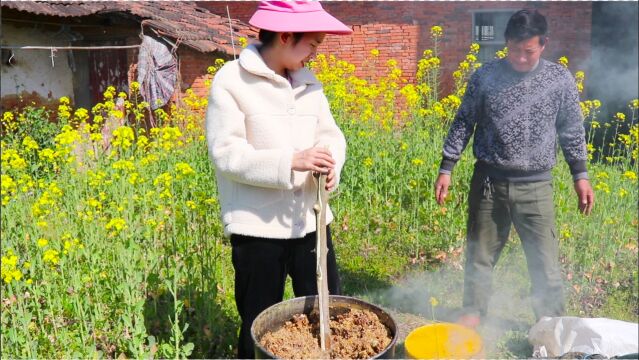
{"points": [[523, 55]]}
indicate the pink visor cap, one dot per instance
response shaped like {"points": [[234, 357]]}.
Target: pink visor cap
{"points": [[296, 16]]}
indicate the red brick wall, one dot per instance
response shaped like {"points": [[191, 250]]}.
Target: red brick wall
{"points": [[401, 29], [193, 70], [394, 41], [241, 10], [193, 65]]}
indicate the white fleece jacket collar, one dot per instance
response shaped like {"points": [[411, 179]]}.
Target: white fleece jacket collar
{"points": [[252, 61]]}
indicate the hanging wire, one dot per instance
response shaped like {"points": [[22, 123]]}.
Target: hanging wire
{"points": [[228, 14], [20, 47]]}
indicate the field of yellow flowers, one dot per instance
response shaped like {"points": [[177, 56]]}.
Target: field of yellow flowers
{"points": [[112, 244]]}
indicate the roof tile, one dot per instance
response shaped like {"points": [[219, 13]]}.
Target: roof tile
{"points": [[183, 21]]}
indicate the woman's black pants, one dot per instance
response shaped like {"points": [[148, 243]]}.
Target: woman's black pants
{"points": [[261, 266]]}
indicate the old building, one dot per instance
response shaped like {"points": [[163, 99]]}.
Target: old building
{"points": [[77, 49]]}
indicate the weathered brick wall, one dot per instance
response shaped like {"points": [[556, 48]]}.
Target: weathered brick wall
{"points": [[401, 30], [193, 70], [241, 10], [193, 65]]}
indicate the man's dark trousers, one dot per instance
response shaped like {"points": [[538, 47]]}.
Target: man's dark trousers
{"points": [[492, 207]]}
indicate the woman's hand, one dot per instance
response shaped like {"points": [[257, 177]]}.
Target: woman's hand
{"points": [[316, 159], [330, 180]]}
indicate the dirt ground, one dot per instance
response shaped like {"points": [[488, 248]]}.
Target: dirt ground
{"points": [[356, 334]]}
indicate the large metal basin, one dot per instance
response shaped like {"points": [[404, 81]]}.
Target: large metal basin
{"points": [[275, 316]]}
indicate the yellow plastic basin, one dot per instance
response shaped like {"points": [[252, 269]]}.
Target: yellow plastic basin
{"points": [[443, 341]]}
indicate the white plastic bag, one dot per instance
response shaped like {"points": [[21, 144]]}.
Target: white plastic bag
{"points": [[559, 335]]}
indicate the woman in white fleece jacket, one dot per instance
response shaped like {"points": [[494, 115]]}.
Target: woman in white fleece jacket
{"points": [[269, 127]]}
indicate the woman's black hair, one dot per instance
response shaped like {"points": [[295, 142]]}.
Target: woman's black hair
{"points": [[526, 24], [267, 37]]}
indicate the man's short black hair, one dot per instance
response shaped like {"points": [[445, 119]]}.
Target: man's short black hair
{"points": [[267, 37], [526, 24]]}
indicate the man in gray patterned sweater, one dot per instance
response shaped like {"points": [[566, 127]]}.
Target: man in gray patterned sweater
{"points": [[516, 108]]}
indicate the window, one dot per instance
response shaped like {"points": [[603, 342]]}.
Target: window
{"points": [[488, 31]]}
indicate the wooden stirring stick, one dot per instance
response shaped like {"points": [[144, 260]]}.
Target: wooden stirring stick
{"points": [[321, 250]]}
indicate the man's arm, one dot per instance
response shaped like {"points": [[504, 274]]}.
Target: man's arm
{"points": [[459, 134], [572, 139]]}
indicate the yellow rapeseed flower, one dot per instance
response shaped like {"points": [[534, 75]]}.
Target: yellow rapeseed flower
{"points": [[96, 137], [183, 169], [123, 137], [436, 31], [109, 93], [580, 76], [166, 194], [134, 87], [165, 179], [134, 178], [81, 115], [51, 256], [149, 159], [630, 175], [7, 116], [116, 225], [12, 160], [118, 114], [8, 121], [563, 61], [602, 186], [124, 165], [94, 203], [29, 143], [243, 41], [67, 136], [9, 267], [9, 187], [500, 54]]}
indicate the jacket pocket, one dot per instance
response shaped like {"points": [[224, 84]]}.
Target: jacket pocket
{"points": [[256, 197]]}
